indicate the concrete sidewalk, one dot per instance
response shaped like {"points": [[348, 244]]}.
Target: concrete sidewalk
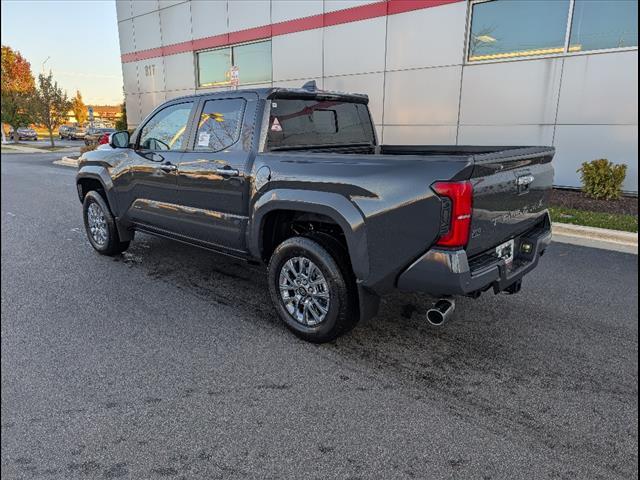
{"points": [[626, 242]]}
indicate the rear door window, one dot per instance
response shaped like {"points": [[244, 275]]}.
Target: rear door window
{"points": [[220, 124], [297, 123]]}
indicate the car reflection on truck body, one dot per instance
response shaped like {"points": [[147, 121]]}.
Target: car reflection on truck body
{"points": [[295, 179]]}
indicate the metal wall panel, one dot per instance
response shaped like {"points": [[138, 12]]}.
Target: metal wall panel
{"points": [[132, 102], [123, 9], [151, 75], [178, 93], [333, 5], [304, 47], [522, 92], [130, 77], [356, 47], [600, 89], [149, 101], [298, 83], [283, 10], [534, 135], [371, 84], [125, 35], [179, 71], [426, 38], [419, 135], [582, 143], [147, 31], [422, 97], [248, 14], [208, 18], [175, 24], [169, 3], [140, 7]]}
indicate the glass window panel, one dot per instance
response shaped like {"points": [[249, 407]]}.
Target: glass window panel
{"points": [[253, 62], [166, 129], [219, 125], [298, 123], [213, 67], [502, 29], [599, 24]]}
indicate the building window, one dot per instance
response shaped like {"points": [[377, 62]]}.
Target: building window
{"points": [[502, 29], [240, 64], [600, 24], [219, 125]]}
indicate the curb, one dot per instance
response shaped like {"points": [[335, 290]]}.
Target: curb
{"points": [[67, 162], [595, 237]]}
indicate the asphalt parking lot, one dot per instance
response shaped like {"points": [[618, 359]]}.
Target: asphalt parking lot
{"points": [[169, 362]]}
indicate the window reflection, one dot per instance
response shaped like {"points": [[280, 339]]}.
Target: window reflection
{"points": [[503, 29], [165, 130], [219, 124], [600, 24], [252, 63]]}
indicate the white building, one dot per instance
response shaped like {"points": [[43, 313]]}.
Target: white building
{"points": [[492, 72]]}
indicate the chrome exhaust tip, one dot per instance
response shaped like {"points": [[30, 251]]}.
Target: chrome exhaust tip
{"points": [[441, 311]]}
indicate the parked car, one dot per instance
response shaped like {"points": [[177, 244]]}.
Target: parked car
{"points": [[77, 133], [95, 134], [295, 179], [63, 131], [105, 138], [25, 133]]}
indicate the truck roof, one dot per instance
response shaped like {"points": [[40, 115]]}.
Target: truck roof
{"points": [[308, 90]]}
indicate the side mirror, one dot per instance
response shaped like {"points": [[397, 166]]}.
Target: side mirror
{"points": [[119, 139]]}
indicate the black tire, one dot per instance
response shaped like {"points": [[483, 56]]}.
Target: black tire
{"points": [[327, 255], [111, 245]]}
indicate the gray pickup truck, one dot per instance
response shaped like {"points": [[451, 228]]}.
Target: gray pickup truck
{"points": [[296, 179]]}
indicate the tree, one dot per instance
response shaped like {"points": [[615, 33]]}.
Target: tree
{"points": [[121, 123], [79, 108], [17, 89], [50, 104]]}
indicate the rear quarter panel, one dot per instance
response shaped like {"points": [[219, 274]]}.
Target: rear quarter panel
{"points": [[391, 194]]}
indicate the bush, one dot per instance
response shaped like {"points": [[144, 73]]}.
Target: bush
{"points": [[88, 148], [602, 179]]}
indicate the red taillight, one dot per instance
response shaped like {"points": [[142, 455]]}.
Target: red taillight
{"points": [[461, 195]]}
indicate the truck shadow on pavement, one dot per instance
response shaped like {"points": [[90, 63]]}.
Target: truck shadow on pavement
{"points": [[506, 364]]}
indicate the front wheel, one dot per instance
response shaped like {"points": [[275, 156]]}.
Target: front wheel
{"points": [[101, 226], [312, 288]]}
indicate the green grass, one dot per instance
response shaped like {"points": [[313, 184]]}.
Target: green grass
{"points": [[614, 221]]}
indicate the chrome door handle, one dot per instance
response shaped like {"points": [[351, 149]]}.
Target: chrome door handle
{"points": [[168, 167], [227, 172]]}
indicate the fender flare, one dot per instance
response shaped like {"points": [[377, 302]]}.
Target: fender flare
{"points": [[335, 206], [97, 173]]}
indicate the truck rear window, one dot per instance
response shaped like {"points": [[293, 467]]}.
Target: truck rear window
{"points": [[297, 123]]}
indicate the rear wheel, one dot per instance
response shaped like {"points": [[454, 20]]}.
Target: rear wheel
{"points": [[312, 289], [101, 226]]}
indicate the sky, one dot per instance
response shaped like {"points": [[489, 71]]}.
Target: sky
{"points": [[80, 37]]}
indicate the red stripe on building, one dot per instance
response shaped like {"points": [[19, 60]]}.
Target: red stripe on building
{"points": [[339, 17]]}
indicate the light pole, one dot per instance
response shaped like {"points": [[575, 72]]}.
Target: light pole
{"points": [[45, 61]]}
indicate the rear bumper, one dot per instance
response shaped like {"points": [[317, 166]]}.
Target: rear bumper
{"points": [[450, 272]]}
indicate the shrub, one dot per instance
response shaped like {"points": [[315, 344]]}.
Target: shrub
{"points": [[602, 179], [88, 148]]}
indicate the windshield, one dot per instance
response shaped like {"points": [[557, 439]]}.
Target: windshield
{"points": [[298, 123]]}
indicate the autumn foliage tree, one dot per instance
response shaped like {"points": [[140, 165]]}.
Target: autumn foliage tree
{"points": [[80, 110], [50, 104], [18, 87]]}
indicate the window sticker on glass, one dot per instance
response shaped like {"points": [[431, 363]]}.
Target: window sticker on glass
{"points": [[203, 139], [275, 126]]}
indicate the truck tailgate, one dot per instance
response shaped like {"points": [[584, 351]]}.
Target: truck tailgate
{"points": [[511, 188]]}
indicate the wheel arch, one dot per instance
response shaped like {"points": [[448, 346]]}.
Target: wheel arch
{"points": [[335, 207]]}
